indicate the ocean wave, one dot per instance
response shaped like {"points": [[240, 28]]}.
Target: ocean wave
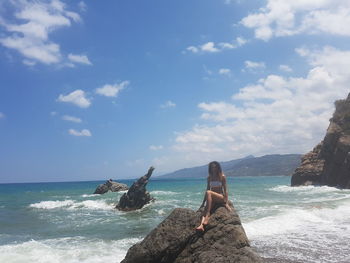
{"points": [[67, 250], [310, 189], [52, 204], [161, 212], [89, 195], [163, 193], [70, 204], [93, 204], [312, 218], [303, 235]]}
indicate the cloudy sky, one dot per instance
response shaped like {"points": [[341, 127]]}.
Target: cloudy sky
{"points": [[104, 89]]}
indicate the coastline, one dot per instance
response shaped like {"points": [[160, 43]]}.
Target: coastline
{"points": [[278, 219]]}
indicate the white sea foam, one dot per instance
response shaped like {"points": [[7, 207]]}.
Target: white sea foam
{"points": [[314, 233], [281, 223], [298, 219], [67, 250], [163, 193], [161, 212], [310, 189], [92, 204], [52, 204], [70, 204], [89, 195]]}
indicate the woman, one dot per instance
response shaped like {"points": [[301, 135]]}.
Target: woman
{"points": [[216, 192]]}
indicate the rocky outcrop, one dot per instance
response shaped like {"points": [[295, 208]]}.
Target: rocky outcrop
{"points": [[175, 240], [109, 185], [137, 196], [329, 162]]}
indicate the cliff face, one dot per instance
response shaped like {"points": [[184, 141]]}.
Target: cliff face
{"points": [[329, 162]]}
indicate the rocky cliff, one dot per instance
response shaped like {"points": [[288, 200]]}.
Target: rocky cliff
{"points": [[175, 240], [329, 162]]}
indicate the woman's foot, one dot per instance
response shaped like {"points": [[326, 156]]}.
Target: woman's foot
{"points": [[228, 207], [206, 220], [200, 228]]}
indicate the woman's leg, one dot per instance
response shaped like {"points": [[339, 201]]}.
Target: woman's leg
{"points": [[201, 226], [212, 198]]}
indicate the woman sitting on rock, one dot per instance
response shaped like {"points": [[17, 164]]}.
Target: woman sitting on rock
{"points": [[216, 193]]}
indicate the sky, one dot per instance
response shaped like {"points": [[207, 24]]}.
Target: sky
{"points": [[91, 90]]}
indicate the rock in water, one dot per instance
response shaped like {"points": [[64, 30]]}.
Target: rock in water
{"points": [[137, 196], [116, 187], [175, 240], [109, 185], [101, 189], [329, 162]]}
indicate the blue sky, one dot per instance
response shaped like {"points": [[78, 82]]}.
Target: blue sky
{"points": [[104, 89]]}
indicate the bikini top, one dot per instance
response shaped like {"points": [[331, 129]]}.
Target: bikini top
{"points": [[215, 184]]}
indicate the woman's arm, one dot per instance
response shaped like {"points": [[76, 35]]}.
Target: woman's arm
{"points": [[205, 194], [225, 188]]}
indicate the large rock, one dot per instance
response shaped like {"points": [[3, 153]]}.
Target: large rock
{"points": [[175, 240], [109, 185], [329, 162], [137, 196]]}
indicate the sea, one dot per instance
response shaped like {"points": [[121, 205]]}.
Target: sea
{"points": [[65, 222]]}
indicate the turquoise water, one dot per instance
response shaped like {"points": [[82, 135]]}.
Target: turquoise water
{"points": [[65, 222]]}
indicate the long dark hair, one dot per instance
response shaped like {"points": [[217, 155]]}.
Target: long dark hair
{"points": [[210, 168]]}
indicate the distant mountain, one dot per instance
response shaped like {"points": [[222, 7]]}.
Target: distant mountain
{"points": [[267, 165]]}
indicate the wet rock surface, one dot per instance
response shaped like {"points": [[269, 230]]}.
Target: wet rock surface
{"points": [[329, 162], [176, 240]]}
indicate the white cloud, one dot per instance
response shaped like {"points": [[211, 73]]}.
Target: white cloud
{"points": [[109, 90], [241, 41], [81, 59], [234, 1], [224, 71], [168, 104], [225, 45], [253, 66], [285, 68], [28, 62], [192, 49], [274, 115], [83, 132], [2, 116], [82, 6], [285, 18], [211, 47], [71, 118], [156, 148], [76, 97], [29, 35], [223, 111]]}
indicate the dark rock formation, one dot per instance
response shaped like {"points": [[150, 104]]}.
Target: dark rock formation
{"points": [[137, 196], [329, 162], [175, 240], [109, 185]]}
